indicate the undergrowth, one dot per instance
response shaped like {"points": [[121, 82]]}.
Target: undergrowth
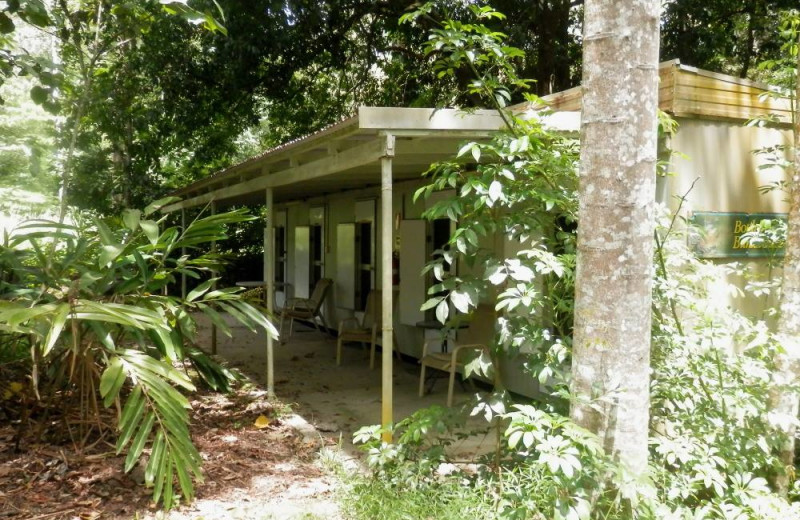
{"points": [[713, 438], [446, 500]]}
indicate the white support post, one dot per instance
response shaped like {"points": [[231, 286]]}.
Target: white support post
{"points": [[387, 417], [183, 253], [213, 275], [269, 281]]}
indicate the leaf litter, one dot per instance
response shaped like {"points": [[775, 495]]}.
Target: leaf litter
{"points": [[255, 466]]}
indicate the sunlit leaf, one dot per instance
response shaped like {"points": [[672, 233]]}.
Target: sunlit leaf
{"points": [[150, 229], [131, 218], [262, 422]]}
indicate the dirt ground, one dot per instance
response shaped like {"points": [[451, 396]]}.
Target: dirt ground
{"points": [[337, 400], [261, 473], [251, 472]]}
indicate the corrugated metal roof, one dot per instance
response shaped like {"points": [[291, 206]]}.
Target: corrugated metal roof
{"points": [[351, 120]]}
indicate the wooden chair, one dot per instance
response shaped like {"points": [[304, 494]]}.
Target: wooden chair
{"points": [[474, 341], [307, 308], [366, 331]]}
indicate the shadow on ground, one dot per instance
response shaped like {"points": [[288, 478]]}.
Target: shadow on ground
{"points": [[337, 400]]}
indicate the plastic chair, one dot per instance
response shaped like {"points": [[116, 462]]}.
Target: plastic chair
{"points": [[307, 308]]}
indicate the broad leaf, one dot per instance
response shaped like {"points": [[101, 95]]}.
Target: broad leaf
{"points": [[158, 204], [200, 290], [59, 320], [442, 311], [111, 381], [108, 254], [131, 218], [150, 228]]}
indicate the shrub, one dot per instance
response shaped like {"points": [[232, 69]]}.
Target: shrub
{"points": [[90, 300]]}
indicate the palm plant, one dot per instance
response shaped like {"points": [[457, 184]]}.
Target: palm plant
{"points": [[91, 300]]}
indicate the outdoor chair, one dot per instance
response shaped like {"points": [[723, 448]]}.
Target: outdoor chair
{"points": [[367, 330], [307, 308], [473, 342]]}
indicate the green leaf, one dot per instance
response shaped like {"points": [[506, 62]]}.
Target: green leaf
{"points": [[226, 293], [15, 315], [127, 315], [160, 473], [256, 316], [59, 319], [6, 25], [213, 25], [200, 289], [103, 335], [139, 441], [156, 456], [150, 228], [144, 272], [164, 339], [216, 319], [131, 415], [158, 204], [39, 94], [184, 480], [495, 190], [111, 381], [35, 12], [147, 367], [476, 153], [106, 236], [241, 318], [464, 149], [431, 303], [168, 491], [131, 218], [471, 236], [461, 301], [442, 311], [108, 254], [215, 375]]}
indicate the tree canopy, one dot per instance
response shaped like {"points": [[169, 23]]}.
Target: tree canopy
{"points": [[149, 101]]}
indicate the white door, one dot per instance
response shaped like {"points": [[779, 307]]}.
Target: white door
{"points": [[345, 266], [301, 261], [412, 260]]}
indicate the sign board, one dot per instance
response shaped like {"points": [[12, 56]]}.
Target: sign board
{"points": [[732, 235]]}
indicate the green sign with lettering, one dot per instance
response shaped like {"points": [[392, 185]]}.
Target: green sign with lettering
{"points": [[726, 235]]}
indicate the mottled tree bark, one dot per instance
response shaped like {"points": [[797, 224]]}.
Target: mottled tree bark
{"points": [[611, 355], [784, 400]]}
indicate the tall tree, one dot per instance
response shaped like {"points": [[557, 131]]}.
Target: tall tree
{"points": [[544, 30], [171, 100], [611, 352], [722, 35]]}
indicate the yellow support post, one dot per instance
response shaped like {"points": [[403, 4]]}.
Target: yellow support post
{"points": [[214, 274], [269, 280], [387, 418]]}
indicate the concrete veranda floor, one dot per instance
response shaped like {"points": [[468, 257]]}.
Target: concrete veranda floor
{"points": [[337, 400]]}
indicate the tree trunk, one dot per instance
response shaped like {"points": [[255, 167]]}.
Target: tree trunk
{"points": [[784, 400], [611, 356]]}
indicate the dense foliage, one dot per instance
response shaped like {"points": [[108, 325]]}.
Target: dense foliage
{"points": [[84, 307], [714, 440], [147, 102], [730, 36], [150, 102]]}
